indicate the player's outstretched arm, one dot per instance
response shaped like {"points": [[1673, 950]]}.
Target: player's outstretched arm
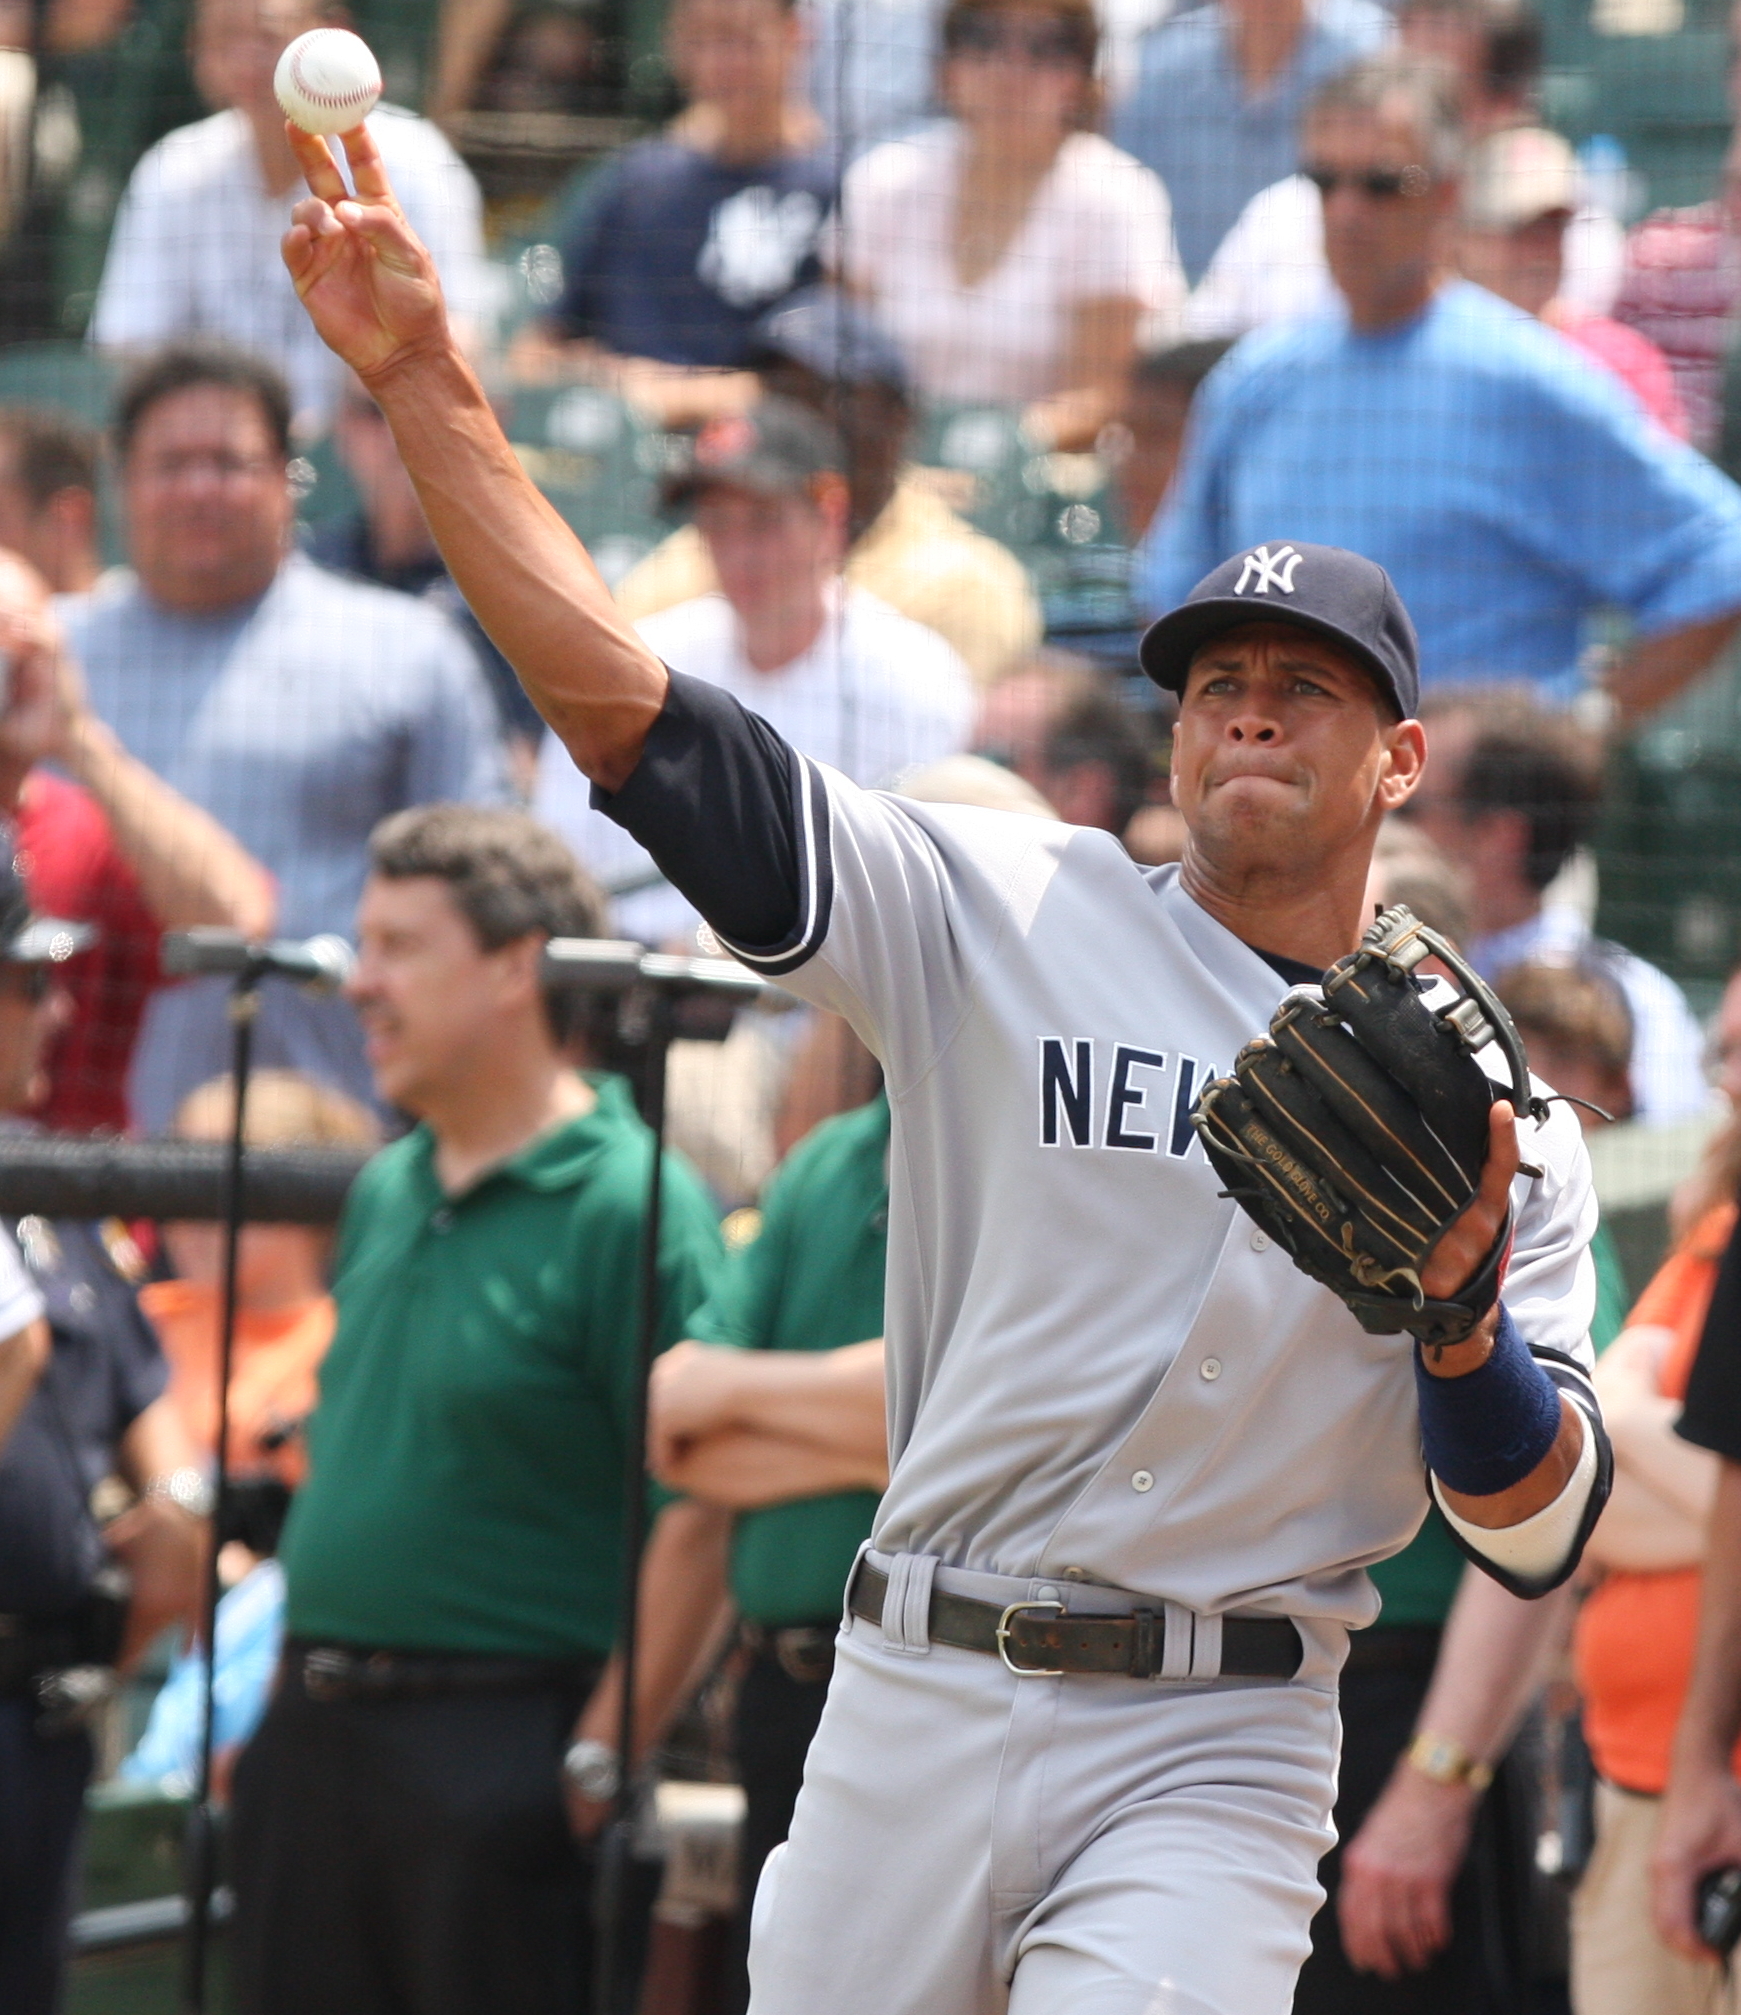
{"points": [[371, 290]]}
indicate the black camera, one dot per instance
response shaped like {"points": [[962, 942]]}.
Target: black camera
{"points": [[1717, 1911]]}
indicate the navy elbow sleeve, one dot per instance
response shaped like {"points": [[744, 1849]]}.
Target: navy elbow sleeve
{"points": [[1487, 1430]]}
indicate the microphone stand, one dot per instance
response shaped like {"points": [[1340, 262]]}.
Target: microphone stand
{"points": [[201, 1843], [617, 1842], [664, 986]]}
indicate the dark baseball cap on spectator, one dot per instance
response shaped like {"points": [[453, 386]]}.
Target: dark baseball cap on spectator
{"points": [[831, 334], [1338, 595], [777, 449]]}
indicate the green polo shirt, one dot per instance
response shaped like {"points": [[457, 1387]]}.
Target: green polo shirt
{"points": [[1419, 1583], [812, 1280], [465, 1486]]}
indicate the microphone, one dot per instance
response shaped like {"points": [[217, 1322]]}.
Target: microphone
{"points": [[613, 965], [319, 965]]}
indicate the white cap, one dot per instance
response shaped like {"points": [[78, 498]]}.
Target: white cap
{"points": [[1516, 176]]}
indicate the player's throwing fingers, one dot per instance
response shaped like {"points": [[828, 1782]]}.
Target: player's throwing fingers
{"points": [[367, 282]]}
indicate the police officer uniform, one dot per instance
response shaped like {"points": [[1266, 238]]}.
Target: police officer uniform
{"points": [[62, 1597]]}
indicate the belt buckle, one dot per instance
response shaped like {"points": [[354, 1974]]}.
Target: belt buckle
{"points": [[326, 1674], [1003, 1643], [805, 1656]]}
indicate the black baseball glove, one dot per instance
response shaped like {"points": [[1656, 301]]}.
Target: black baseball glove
{"points": [[1357, 1129]]}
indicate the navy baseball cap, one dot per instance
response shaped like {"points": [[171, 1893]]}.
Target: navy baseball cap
{"points": [[1334, 593], [831, 334]]}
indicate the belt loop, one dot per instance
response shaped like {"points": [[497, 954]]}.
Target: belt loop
{"points": [[1206, 1648], [907, 1604], [1142, 1650], [1176, 1646]]}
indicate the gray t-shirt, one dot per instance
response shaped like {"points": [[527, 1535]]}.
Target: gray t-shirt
{"points": [[298, 721]]}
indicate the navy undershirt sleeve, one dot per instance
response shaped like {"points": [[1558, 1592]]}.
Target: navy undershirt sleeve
{"points": [[715, 801]]}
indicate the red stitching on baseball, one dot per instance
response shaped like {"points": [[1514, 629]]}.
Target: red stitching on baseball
{"points": [[322, 97]]}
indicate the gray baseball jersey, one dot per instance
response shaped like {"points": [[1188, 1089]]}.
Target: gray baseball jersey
{"points": [[1105, 1387], [1096, 1363]]}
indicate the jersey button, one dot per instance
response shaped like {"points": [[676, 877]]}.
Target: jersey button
{"points": [[441, 1220], [1143, 1480], [1210, 1369], [1260, 1241]]}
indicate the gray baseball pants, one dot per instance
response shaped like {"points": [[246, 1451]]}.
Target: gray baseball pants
{"points": [[970, 1843]]}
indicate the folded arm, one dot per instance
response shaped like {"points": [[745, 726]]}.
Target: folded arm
{"points": [[748, 1428]]}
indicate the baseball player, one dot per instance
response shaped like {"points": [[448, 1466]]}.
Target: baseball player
{"points": [[1080, 1749]]}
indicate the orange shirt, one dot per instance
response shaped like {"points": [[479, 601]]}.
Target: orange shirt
{"points": [[1636, 1633], [273, 1378]]}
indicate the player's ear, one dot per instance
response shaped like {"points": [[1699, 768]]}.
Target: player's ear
{"points": [[1405, 761]]}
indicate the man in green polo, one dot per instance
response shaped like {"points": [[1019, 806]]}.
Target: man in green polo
{"points": [[773, 1415], [452, 1563]]}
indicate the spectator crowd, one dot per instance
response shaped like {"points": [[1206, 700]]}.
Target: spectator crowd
{"points": [[919, 357]]}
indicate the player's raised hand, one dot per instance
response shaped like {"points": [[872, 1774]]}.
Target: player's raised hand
{"points": [[369, 286]]}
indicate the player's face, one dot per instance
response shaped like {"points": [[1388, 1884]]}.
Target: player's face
{"points": [[1283, 754], [433, 1002]]}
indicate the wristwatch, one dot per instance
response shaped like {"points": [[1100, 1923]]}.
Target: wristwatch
{"points": [[591, 1767], [188, 1489], [1444, 1760]]}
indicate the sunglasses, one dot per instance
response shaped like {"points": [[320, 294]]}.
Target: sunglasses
{"points": [[1381, 185], [1047, 48]]}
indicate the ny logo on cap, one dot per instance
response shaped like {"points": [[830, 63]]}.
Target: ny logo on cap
{"points": [[1268, 570]]}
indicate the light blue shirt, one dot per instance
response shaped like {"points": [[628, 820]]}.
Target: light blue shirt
{"points": [[299, 721], [1188, 118], [1509, 487], [250, 1635]]}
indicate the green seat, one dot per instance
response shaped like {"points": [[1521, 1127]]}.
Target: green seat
{"points": [[1669, 848], [1661, 96], [71, 377], [598, 464]]}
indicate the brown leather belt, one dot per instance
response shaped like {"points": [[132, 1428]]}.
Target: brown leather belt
{"points": [[330, 1672], [1038, 1640]]}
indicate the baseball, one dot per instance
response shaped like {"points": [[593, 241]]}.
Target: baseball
{"points": [[327, 81]]}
